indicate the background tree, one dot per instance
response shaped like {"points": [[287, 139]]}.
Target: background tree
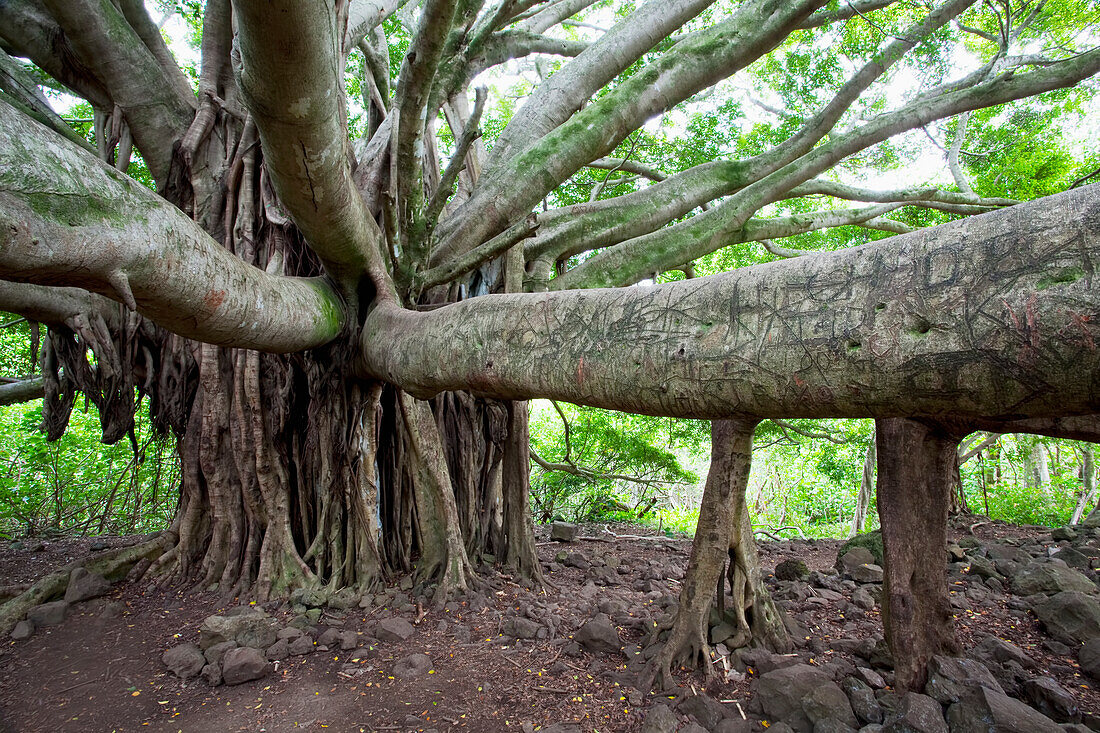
{"points": [[279, 301]]}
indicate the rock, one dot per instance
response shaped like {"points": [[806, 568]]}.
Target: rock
{"points": [[1063, 533], [950, 678], [862, 699], [348, 640], [703, 708], [48, 614], [828, 703], [216, 629], [520, 628], [112, 609], [660, 719], [994, 650], [1070, 616], [243, 664], [733, 725], [98, 546], [598, 635], [866, 573], [328, 637], [257, 632], [1051, 699], [279, 650], [781, 691], [1049, 579], [301, 646], [414, 665], [693, 727], [955, 553], [216, 653], [853, 558], [871, 677], [394, 629], [84, 585], [791, 569], [308, 597], [1088, 657], [185, 661], [344, 599], [564, 531], [871, 541], [212, 675], [986, 710], [983, 568], [862, 599], [916, 714], [1074, 558], [23, 631]]}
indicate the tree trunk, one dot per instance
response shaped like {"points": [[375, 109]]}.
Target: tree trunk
{"points": [[1088, 483], [866, 486], [915, 465], [722, 534]]}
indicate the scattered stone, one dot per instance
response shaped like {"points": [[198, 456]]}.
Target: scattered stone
{"points": [[828, 704], [414, 665], [917, 713], [48, 614], [1049, 579], [185, 661], [212, 675], [520, 628], [112, 609], [950, 678], [1089, 658], [989, 710], [564, 531], [257, 632], [301, 646], [394, 629], [1051, 699], [243, 664], [994, 650], [955, 553], [862, 599], [328, 637], [279, 650], [23, 631], [660, 719], [780, 692], [871, 541], [792, 569], [348, 640], [216, 653], [866, 573], [308, 597], [98, 546], [1063, 533], [862, 699], [853, 558], [84, 585], [703, 708], [1070, 616], [598, 635], [217, 629]]}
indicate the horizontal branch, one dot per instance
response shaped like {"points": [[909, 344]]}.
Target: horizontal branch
{"points": [[996, 316], [68, 219], [26, 390]]}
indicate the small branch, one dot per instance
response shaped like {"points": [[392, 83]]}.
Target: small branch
{"points": [[784, 252], [485, 252], [23, 391], [458, 161], [785, 426], [629, 166], [592, 474]]}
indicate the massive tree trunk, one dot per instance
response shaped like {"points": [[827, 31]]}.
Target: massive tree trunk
{"points": [[916, 462]]}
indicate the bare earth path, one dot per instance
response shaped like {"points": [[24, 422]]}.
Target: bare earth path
{"points": [[101, 669]]}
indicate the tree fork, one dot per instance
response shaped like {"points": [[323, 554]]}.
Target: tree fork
{"points": [[915, 463]]}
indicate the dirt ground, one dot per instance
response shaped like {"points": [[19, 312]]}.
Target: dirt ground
{"points": [[97, 673]]}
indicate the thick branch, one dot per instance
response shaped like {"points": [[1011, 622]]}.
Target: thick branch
{"points": [[994, 316], [26, 390], [68, 219], [291, 83]]}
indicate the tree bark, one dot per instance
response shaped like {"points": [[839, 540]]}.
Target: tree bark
{"points": [[866, 486], [915, 463], [722, 507]]}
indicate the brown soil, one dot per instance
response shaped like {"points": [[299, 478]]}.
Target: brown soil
{"points": [[94, 673]]}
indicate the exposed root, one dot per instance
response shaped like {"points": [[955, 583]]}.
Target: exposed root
{"points": [[110, 564]]}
